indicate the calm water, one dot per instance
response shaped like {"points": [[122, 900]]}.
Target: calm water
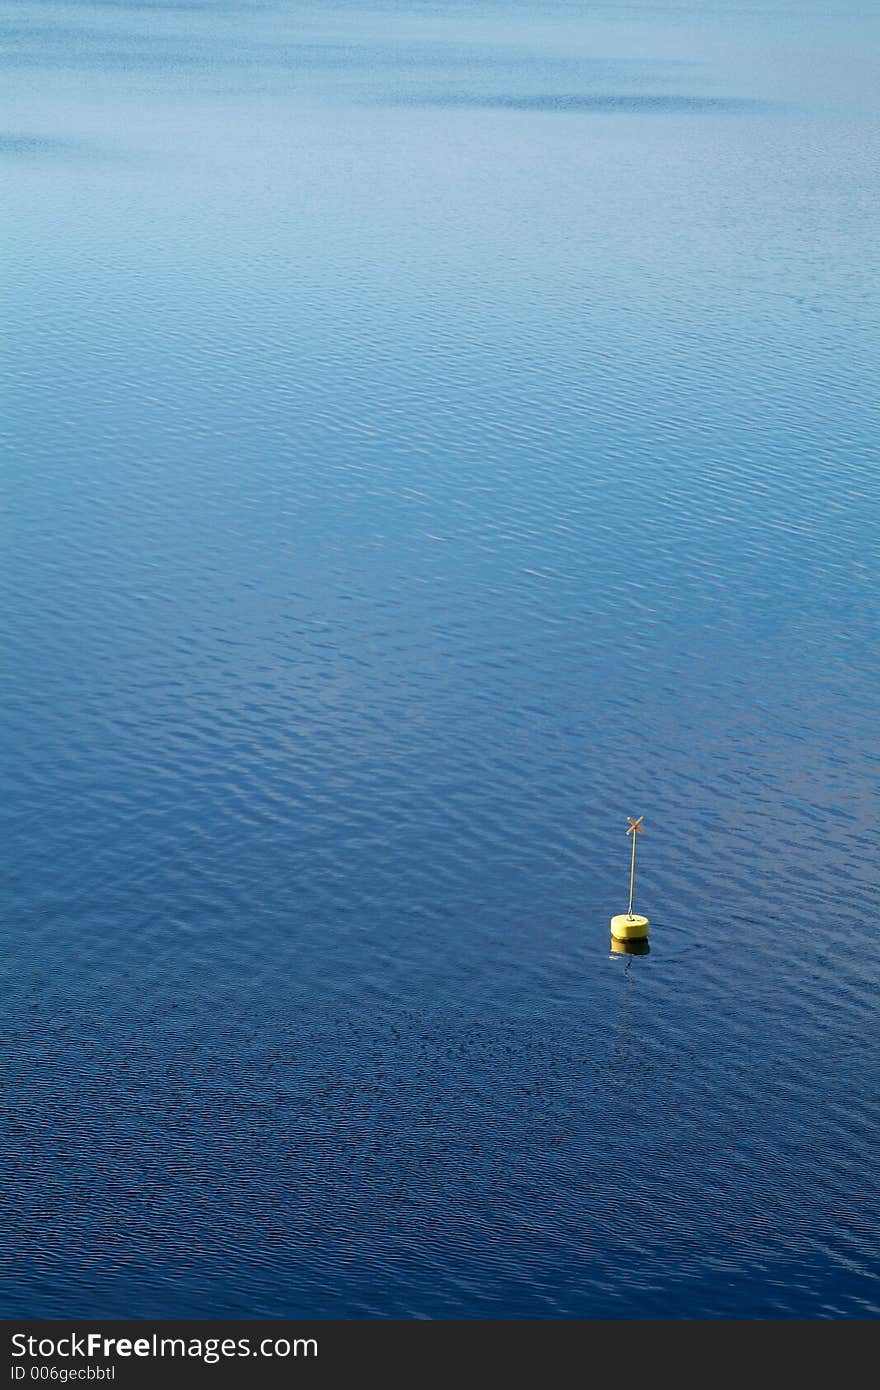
{"points": [[432, 433]]}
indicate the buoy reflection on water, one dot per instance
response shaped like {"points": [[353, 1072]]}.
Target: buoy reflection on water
{"points": [[629, 948]]}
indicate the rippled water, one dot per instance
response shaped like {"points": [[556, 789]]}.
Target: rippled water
{"points": [[431, 434]]}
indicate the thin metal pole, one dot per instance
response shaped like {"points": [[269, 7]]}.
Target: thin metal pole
{"points": [[632, 875]]}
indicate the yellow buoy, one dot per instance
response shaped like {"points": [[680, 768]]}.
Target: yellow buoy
{"points": [[626, 928], [629, 925]]}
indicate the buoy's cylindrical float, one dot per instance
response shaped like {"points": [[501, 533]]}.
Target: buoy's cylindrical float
{"points": [[628, 927]]}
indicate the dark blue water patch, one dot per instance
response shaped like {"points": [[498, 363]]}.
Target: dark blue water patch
{"points": [[439, 1164], [45, 147], [624, 103]]}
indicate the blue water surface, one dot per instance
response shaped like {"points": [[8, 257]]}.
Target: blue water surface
{"points": [[432, 432]]}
